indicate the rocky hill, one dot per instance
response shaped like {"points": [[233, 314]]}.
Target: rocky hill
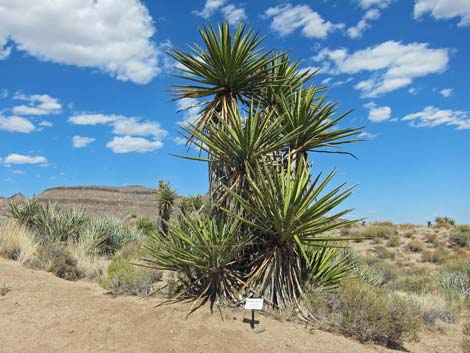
{"points": [[99, 200]]}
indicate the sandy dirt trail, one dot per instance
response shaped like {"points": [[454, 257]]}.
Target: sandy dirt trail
{"points": [[42, 314]]}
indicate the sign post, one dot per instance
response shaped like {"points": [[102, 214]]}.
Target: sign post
{"points": [[253, 304]]}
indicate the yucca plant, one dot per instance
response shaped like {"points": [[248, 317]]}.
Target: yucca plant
{"points": [[288, 213], [166, 197], [24, 212], [206, 251]]}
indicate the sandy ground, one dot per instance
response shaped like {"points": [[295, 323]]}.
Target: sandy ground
{"points": [[42, 313]]}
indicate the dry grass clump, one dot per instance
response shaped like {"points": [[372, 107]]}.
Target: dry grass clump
{"points": [[460, 239], [466, 339], [414, 246], [4, 289], [379, 232], [438, 256], [59, 261], [90, 264], [17, 242], [373, 314], [431, 238]]}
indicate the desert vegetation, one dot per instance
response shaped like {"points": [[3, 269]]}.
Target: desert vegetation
{"points": [[271, 226]]}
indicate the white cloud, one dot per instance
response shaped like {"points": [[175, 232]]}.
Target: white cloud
{"points": [[3, 93], [129, 144], [190, 110], [394, 64], [210, 8], [111, 35], [180, 140], [412, 91], [16, 124], [367, 135], [378, 114], [431, 117], [444, 9], [365, 4], [15, 158], [45, 123], [287, 18], [447, 92], [38, 104], [80, 141], [233, 14], [18, 172], [356, 31], [93, 119], [133, 127]]}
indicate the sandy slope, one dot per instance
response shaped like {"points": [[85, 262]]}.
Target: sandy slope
{"points": [[42, 313]]}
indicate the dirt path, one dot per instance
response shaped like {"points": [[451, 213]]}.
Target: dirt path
{"points": [[42, 314]]}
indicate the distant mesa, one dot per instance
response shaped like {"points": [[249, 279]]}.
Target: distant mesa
{"points": [[98, 200]]}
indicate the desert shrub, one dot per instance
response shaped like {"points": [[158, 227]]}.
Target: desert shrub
{"points": [[462, 228], [89, 263], [386, 270], [455, 276], [107, 234], [384, 253], [461, 239], [414, 246], [394, 241], [444, 220], [375, 314], [146, 225], [435, 256], [17, 242], [434, 305], [430, 238], [414, 284], [409, 235], [379, 231], [59, 261], [124, 277]]}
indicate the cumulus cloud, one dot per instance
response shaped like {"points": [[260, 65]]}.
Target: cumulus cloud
{"points": [[80, 141], [15, 158], [395, 65], [16, 124], [288, 18], [127, 144], [45, 123], [133, 127], [37, 104], [365, 4], [378, 114], [447, 92], [432, 117], [114, 36], [231, 13], [444, 9], [367, 135], [93, 119], [356, 31]]}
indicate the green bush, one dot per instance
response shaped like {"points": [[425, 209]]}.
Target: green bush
{"points": [[394, 241], [414, 284], [59, 261], [106, 234], [374, 314], [379, 231], [455, 276], [123, 277], [460, 239]]}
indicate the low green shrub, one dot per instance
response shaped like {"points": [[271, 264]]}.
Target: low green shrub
{"points": [[414, 284], [59, 261], [374, 314], [394, 241], [123, 277], [455, 276], [379, 231], [435, 256], [461, 239]]}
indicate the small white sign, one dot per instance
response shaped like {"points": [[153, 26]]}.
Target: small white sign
{"points": [[254, 304]]}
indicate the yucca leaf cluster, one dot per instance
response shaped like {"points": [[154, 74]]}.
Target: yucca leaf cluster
{"points": [[260, 120]]}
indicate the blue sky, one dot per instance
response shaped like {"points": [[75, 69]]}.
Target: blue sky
{"points": [[84, 94]]}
